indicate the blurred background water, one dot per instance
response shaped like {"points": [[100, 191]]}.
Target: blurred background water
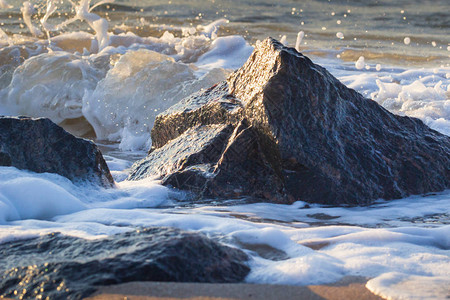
{"points": [[375, 28]]}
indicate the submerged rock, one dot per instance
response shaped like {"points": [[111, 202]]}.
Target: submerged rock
{"points": [[313, 139], [62, 267], [39, 145]]}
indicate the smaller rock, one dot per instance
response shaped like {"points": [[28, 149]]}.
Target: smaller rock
{"points": [[39, 145], [77, 266]]}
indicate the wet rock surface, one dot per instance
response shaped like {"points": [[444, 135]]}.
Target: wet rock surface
{"points": [[39, 145], [61, 267], [222, 161], [313, 139]]}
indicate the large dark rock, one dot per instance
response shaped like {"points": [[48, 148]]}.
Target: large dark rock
{"points": [[322, 141], [39, 145], [62, 267]]}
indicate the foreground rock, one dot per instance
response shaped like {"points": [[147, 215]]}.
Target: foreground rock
{"points": [[292, 131], [76, 266], [39, 145]]}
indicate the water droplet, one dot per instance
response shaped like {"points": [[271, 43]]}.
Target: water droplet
{"points": [[359, 64]]}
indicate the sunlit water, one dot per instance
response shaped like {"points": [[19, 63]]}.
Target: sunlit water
{"points": [[106, 73]]}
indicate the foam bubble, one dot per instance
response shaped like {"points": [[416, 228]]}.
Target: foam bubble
{"points": [[340, 35], [359, 64], [407, 40]]}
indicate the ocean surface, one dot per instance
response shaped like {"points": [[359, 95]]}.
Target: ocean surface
{"points": [[105, 71]]}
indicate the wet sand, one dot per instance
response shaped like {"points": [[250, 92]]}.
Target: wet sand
{"points": [[349, 288]]}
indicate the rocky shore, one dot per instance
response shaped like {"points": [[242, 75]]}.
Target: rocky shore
{"points": [[280, 129]]}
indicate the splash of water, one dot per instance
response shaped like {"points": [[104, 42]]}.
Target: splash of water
{"points": [[298, 43], [27, 11], [51, 8], [83, 12], [98, 24]]}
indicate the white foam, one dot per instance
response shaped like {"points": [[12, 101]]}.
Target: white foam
{"points": [[360, 63], [51, 85], [35, 198], [415, 92], [395, 285], [228, 52], [26, 195], [148, 83], [211, 29], [347, 250], [62, 84]]}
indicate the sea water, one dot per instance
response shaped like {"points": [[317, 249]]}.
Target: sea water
{"points": [[105, 70]]}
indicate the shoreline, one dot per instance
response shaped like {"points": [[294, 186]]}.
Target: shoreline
{"points": [[349, 287]]}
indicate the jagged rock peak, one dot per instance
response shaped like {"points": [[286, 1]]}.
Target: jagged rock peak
{"points": [[317, 140]]}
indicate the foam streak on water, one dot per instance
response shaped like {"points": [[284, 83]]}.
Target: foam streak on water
{"points": [[106, 70]]}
